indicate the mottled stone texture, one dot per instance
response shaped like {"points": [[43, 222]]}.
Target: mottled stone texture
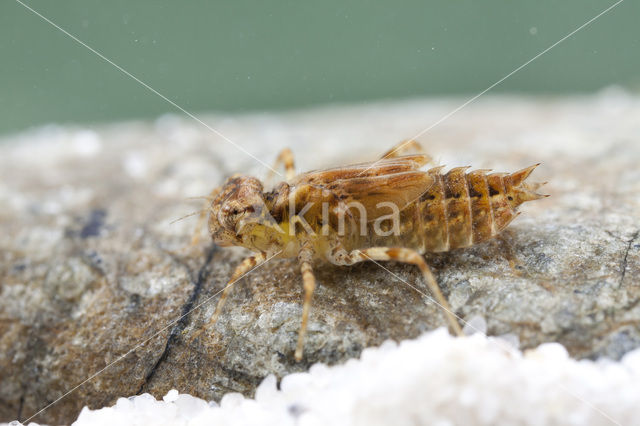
{"points": [[93, 272]]}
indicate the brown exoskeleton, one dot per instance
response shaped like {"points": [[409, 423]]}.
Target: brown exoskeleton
{"points": [[390, 209]]}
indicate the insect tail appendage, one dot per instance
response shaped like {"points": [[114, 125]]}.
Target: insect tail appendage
{"points": [[518, 191], [507, 191]]}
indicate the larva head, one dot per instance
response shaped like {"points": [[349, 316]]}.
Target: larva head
{"points": [[236, 212], [518, 191]]}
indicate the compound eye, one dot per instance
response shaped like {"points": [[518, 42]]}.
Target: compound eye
{"points": [[230, 210], [228, 215], [237, 211]]}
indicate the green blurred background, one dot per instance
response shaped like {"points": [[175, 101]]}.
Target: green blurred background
{"points": [[249, 56]]}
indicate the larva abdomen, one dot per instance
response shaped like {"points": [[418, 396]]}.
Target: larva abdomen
{"points": [[462, 209]]}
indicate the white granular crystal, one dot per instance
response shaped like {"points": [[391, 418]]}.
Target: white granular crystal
{"points": [[476, 324], [435, 379]]}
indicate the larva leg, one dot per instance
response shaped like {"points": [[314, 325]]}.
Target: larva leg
{"points": [[286, 159], [400, 255], [514, 263], [309, 284], [244, 267], [403, 147]]}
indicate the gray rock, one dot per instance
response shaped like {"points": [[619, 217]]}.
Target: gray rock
{"points": [[96, 283]]}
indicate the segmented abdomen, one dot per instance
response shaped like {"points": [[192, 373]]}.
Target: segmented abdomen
{"points": [[462, 209]]}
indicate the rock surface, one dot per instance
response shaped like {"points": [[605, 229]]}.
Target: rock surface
{"points": [[95, 279]]}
